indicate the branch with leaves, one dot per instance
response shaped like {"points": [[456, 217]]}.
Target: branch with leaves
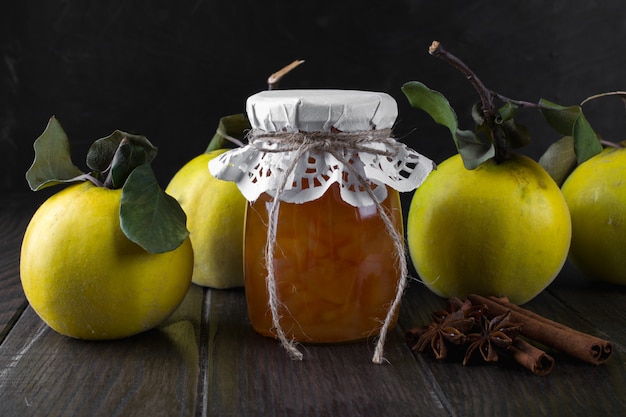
{"points": [[496, 131]]}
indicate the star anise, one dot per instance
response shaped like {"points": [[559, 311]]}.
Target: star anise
{"points": [[495, 333], [469, 310], [447, 327]]}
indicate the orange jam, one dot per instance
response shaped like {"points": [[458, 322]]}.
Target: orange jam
{"points": [[335, 267]]}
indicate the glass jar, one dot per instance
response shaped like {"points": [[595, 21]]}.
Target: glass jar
{"points": [[324, 254], [334, 267]]}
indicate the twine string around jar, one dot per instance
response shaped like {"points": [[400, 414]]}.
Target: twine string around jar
{"points": [[334, 144]]}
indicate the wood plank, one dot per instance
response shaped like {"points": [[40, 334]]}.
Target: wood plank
{"points": [[597, 306], [507, 389], [154, 373], [251, 375], [15, 213]]}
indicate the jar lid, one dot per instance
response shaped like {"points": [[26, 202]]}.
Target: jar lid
{"points": [[320, 110], [305, 172]]}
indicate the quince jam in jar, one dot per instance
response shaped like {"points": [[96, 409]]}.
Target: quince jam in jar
{"points": [[334, 267], [324, 256]]}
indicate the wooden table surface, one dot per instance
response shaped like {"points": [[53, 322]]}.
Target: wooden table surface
{"points": [[207, 361]]}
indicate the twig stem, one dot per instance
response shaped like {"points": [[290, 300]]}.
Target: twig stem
{"points": [[486, 97], [274, 79]]}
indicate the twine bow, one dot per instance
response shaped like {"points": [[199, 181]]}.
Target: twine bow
{"points": [[335, 144]]}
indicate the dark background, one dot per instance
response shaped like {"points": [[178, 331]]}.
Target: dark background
{"points": [[169, 70]]}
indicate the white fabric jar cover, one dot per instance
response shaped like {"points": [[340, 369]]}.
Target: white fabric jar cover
{"points": [[256, 167]]}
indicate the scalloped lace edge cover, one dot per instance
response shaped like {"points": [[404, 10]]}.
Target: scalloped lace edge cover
{"points": [[256, 172]]}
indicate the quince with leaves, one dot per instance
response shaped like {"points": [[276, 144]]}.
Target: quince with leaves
{"points": [[108, 256], [490, 220], [593, 182], [215, 210]]}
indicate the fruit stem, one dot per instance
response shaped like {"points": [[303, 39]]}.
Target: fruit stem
{"points": [[229, 138], [610, 144], [87, 177], [622, 94], [486, 97], [274, 79], [440, 52], [520, 103]]}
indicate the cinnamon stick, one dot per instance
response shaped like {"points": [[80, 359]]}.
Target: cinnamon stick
{"points": [[531, 357], [577, 344]]}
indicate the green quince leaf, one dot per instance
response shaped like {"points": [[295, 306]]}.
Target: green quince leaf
{"points": [[148, 216], [586, 142], [507, 112], [127, 157], [570, 121], [101, 152], [473, 149], [53, 163], [559, 160], [230, 132], [517, 135], [561, 118], [117, 155], [477, 114]]}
